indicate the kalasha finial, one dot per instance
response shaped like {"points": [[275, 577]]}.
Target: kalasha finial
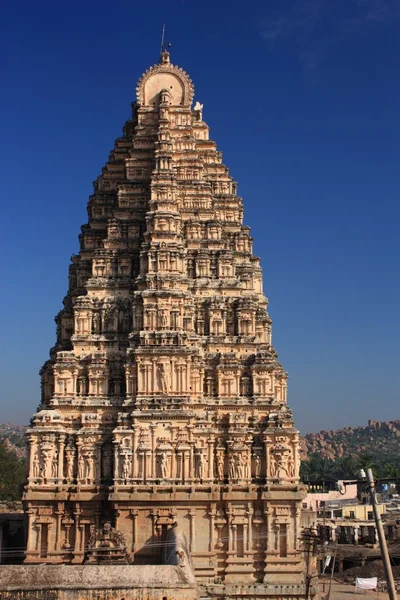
{"points": [[164, 54]]}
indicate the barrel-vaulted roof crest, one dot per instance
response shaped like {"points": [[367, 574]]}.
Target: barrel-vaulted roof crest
{"points": [[168, 76]]}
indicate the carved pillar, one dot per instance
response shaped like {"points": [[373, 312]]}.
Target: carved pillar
{"points": [[192, 517], [38, 537], [61, 446], [31, 516], [249, 515], [234, 537], [32, 453], [153, 472], [212, 514], [210, 443], [134, 470], [116, 459], [57, 538], [134, 514], [77, 513]]}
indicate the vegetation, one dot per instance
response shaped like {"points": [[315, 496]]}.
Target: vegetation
{"points": [[316, 467], [12, 475]]}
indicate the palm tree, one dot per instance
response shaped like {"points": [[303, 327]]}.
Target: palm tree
{"points": [[346, 468], [317, 468]]}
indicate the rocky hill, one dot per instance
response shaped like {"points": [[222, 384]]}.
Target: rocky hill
{"points": [[381, 439], [13, 438]]}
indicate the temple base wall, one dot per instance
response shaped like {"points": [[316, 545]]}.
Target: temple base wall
{"points": [[84, 582]]}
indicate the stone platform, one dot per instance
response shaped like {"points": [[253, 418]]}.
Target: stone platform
{"points": [[94, 582]]}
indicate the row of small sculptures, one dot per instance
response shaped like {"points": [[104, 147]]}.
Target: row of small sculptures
{"points": [[91, 466]]}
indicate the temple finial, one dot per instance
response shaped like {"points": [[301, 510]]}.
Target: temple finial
{"points": [[164, 54]]}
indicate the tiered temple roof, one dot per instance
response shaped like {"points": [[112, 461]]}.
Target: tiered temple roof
{"points": [[163, 402]]}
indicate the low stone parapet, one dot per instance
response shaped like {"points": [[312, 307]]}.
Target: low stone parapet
{"points": [[95, 582]]}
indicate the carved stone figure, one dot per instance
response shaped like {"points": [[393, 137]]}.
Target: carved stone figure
{"points": [[96, 322], [232, 467], [54, 464], [89, 464], [200, 465], [126, 466], [164, 377], [257, 465], [290, 466], [70, 460], [35, 466], [46, 464], [220, 460], [163, 464], [238, 466], [279, 467], [107, 463], [81, 467], [246, 465]]}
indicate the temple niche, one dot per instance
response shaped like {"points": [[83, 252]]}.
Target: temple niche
{"points": [[163, 402]]}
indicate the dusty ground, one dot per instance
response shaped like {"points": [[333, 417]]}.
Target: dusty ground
{"points": [[345, 591]]}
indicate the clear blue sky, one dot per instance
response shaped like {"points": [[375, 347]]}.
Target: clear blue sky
{"points": [[302, 97]]}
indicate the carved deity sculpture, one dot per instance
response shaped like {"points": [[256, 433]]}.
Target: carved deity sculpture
{"points": [[89, 466], [107, 463], [126, 466], [291, 466], [163, 465], [232, 467], [200, 465], [70, 460], [81, 467], [163, 318], [96, 322], [35, 466], [46, 464], [164, 377], [246, 465], [279, 466], [220, 460], [54, 464], [238, 466], [257, 465]]}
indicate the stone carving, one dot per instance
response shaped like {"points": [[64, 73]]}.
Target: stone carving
{"points": [[164, 377], [54, 464], [107, 463], [46, 464], [96, 322], [257, 465], [163, 391], [81, 467], [281, 463], [70, 463], [163, 460], [220, 463], [126, 466], [232, 467], [106, 546], [35, 466], [201, 464]]}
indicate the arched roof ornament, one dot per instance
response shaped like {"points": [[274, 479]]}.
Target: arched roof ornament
{"points": [[165, 76]]}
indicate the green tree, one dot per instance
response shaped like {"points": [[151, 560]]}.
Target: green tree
{"points": [[346, 468], [12, 475], [317, 468]]}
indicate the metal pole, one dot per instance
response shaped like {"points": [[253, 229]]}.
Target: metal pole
{"points": [[382, 540], [332, 572]]}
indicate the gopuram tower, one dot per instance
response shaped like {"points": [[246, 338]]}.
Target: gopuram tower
{"points": [[163, 403]]}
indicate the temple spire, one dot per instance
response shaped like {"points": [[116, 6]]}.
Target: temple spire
{"points": [[163, 400]]}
